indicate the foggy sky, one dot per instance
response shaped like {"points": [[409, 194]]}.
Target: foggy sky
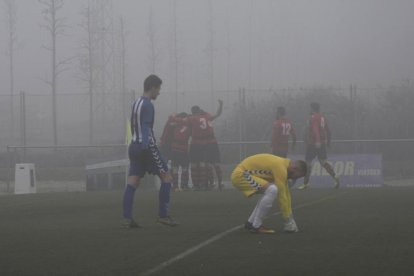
{"points": [[266, 43]]}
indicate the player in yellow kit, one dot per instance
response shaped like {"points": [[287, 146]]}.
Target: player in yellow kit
{"points": [[268, 175]]}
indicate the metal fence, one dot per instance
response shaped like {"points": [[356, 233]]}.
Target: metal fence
{"points": [[67, 163], [27, 119]]}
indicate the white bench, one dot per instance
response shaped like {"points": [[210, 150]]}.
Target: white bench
{"points": [[111, 175]]}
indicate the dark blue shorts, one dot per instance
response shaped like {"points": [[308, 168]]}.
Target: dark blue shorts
{"points": [[145, 160]]}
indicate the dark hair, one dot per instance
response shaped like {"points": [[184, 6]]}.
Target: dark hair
{"points": [[152, 81], [182, 114], [281, 110], [302, 166], [315, 106], [195, 109]]}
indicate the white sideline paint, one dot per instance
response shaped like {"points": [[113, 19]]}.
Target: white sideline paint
{"points": [[221, 235]]}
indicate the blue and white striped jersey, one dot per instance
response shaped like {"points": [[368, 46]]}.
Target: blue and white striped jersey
{"points": [[142, 122]]}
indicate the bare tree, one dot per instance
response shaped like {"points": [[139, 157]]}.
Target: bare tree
{"points": [[102, 63], [55, 26], [210, 49], [11, 11], [175, 52], [87, 63], [123, 64]]}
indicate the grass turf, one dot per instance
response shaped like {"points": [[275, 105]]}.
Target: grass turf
{"points": [[342, 232]]}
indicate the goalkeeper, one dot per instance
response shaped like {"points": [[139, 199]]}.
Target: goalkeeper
{"points": [[267, 175]]}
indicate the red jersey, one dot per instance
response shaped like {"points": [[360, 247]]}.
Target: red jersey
{"points": [[180, 139], [202, 131], [318, 132], [282, 129], [167, 133]]}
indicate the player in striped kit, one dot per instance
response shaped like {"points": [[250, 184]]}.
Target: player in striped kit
{"points": [[144, 155], [268, 175]]}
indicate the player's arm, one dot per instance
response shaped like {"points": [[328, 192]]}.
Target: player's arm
{"points": [[219, 110], [166, 132], [146, 115], [328, 134], [275, 135], [293, 136]]}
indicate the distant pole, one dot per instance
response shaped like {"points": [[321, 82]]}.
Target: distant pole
{"points": [[175, 53], [242, 109], [90, 115], [11, 12], [23, 120], [352, 95], [210, 49]]}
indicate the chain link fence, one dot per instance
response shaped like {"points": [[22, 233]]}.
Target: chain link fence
{"points": [[94, 122]]}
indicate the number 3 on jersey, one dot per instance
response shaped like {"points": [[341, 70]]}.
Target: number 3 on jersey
{"points": [[204, 123]]}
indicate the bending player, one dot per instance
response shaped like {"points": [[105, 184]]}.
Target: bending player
{"points": [[268, 175]]}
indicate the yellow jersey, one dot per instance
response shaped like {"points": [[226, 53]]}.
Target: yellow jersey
{"points": [[265, 168]]}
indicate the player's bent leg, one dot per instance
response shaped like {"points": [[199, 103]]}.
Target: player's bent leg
{"points": [[307, 176], [202, 174], [219, 175], [184, 178], [264, 205], [331, 172], [262, 209], [209, 176], [174, 170], [195, 175], [245, 182]]}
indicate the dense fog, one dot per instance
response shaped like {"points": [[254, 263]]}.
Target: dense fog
{"points": [[270, 52]]}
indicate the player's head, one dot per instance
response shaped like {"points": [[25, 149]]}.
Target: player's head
{"points": [[280, 112], [195, 110], [182, 115], [152, 86], [297, 169], [315, 107]]}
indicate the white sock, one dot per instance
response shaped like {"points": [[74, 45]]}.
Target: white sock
{"points": [[263, 206]]}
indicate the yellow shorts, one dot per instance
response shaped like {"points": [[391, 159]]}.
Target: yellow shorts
{"points": [[239, 180]]}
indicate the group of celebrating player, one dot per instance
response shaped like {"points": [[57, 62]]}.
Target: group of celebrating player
{"points": [[263, 174], [202, 152]]}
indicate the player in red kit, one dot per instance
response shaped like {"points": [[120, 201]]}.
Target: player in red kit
{"points": [[179, 151], [174, 141], [282, 130], [318, 138], [204, 151], [167, 136]]}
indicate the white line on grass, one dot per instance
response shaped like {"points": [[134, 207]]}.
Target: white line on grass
{"points": [[221, 235]]}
